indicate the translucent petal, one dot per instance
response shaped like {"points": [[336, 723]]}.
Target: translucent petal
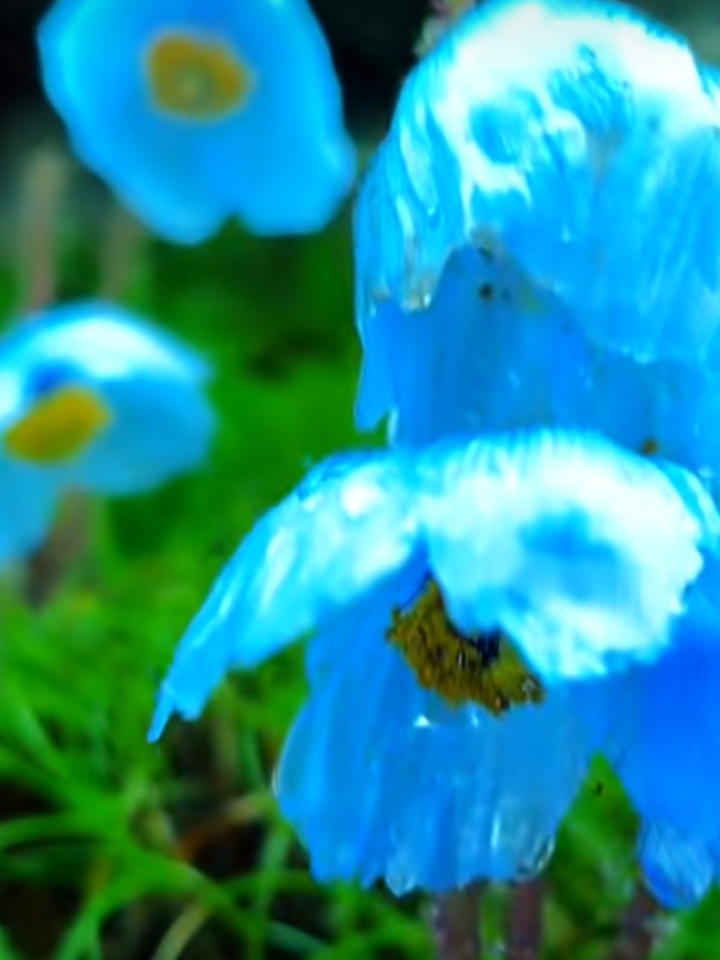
{"points": [[580, 552], [491, 353], [383, 780], [667, 739], [282, 161], [678, 869], [584, 154], [349, 525]]}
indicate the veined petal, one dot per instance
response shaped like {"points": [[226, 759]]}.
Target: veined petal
{"points": [[580, 552], [492, 354], [347, 527], [583, 155], [678, 869], [666, 740], [382, 780]]}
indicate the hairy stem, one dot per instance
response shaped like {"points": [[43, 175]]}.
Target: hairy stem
{"points": [[525, 921], [455, 924]]}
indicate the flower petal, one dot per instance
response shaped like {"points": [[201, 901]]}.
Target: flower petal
{"points": [[348, 526], [667, 740], [678, 869], [382, 780], [161, 428], [585, 156], [492, 353], [578, 550]]}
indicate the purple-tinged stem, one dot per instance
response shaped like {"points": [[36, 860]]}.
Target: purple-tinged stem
{"points": [[525, 921], [455, 924]]}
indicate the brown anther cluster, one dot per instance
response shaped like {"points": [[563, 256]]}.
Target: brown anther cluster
{"points": [[482, 670]]}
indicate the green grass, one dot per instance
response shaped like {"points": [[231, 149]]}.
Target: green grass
{"points": [[112, 848]]}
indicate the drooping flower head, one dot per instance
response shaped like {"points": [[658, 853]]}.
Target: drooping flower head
{"points": [[195, 111], [472, 605], [92, 397], [538, 239]]}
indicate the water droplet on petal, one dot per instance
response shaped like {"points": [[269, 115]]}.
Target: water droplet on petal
{"points": [[537, 860]]}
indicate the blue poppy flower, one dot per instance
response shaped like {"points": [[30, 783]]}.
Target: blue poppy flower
{"points": [[92, 397], [195, 111], [537, 240], [472, 606]]}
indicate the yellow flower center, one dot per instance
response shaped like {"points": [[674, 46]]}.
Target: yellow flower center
{"points": [[484, 670], [196, 79], [58, 427]]}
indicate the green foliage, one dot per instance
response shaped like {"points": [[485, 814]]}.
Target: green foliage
{"points": [[112, 848]]}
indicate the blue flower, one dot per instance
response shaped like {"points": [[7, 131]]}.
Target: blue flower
{"points": [[195, 111], [537, 240], [473, 606], [92, 397]]}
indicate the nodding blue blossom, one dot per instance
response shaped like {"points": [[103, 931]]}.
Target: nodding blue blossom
{"points": [[474, 607], [196, 111], [538, 239], [537, 244], [92, 398]]}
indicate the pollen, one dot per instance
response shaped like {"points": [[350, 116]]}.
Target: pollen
{"points": [[483, 669], [196, 79], [58, 427]]}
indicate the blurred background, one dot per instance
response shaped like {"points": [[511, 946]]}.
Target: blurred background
{"points": [[112, 849]]}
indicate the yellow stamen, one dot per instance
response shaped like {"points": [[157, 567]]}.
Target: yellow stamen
{"points": [[58, 427], [482, 670], [196, 79]]}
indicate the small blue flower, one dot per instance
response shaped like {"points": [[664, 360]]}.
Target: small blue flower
{"points": [[537, 240], [92, 397], [195, 111], [472, 605]]}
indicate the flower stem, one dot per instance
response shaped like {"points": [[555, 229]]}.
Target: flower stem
{"points": [[66, 544], [636, 933], [45, 183], [525, 921], [455, 924], [119, 254]]}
